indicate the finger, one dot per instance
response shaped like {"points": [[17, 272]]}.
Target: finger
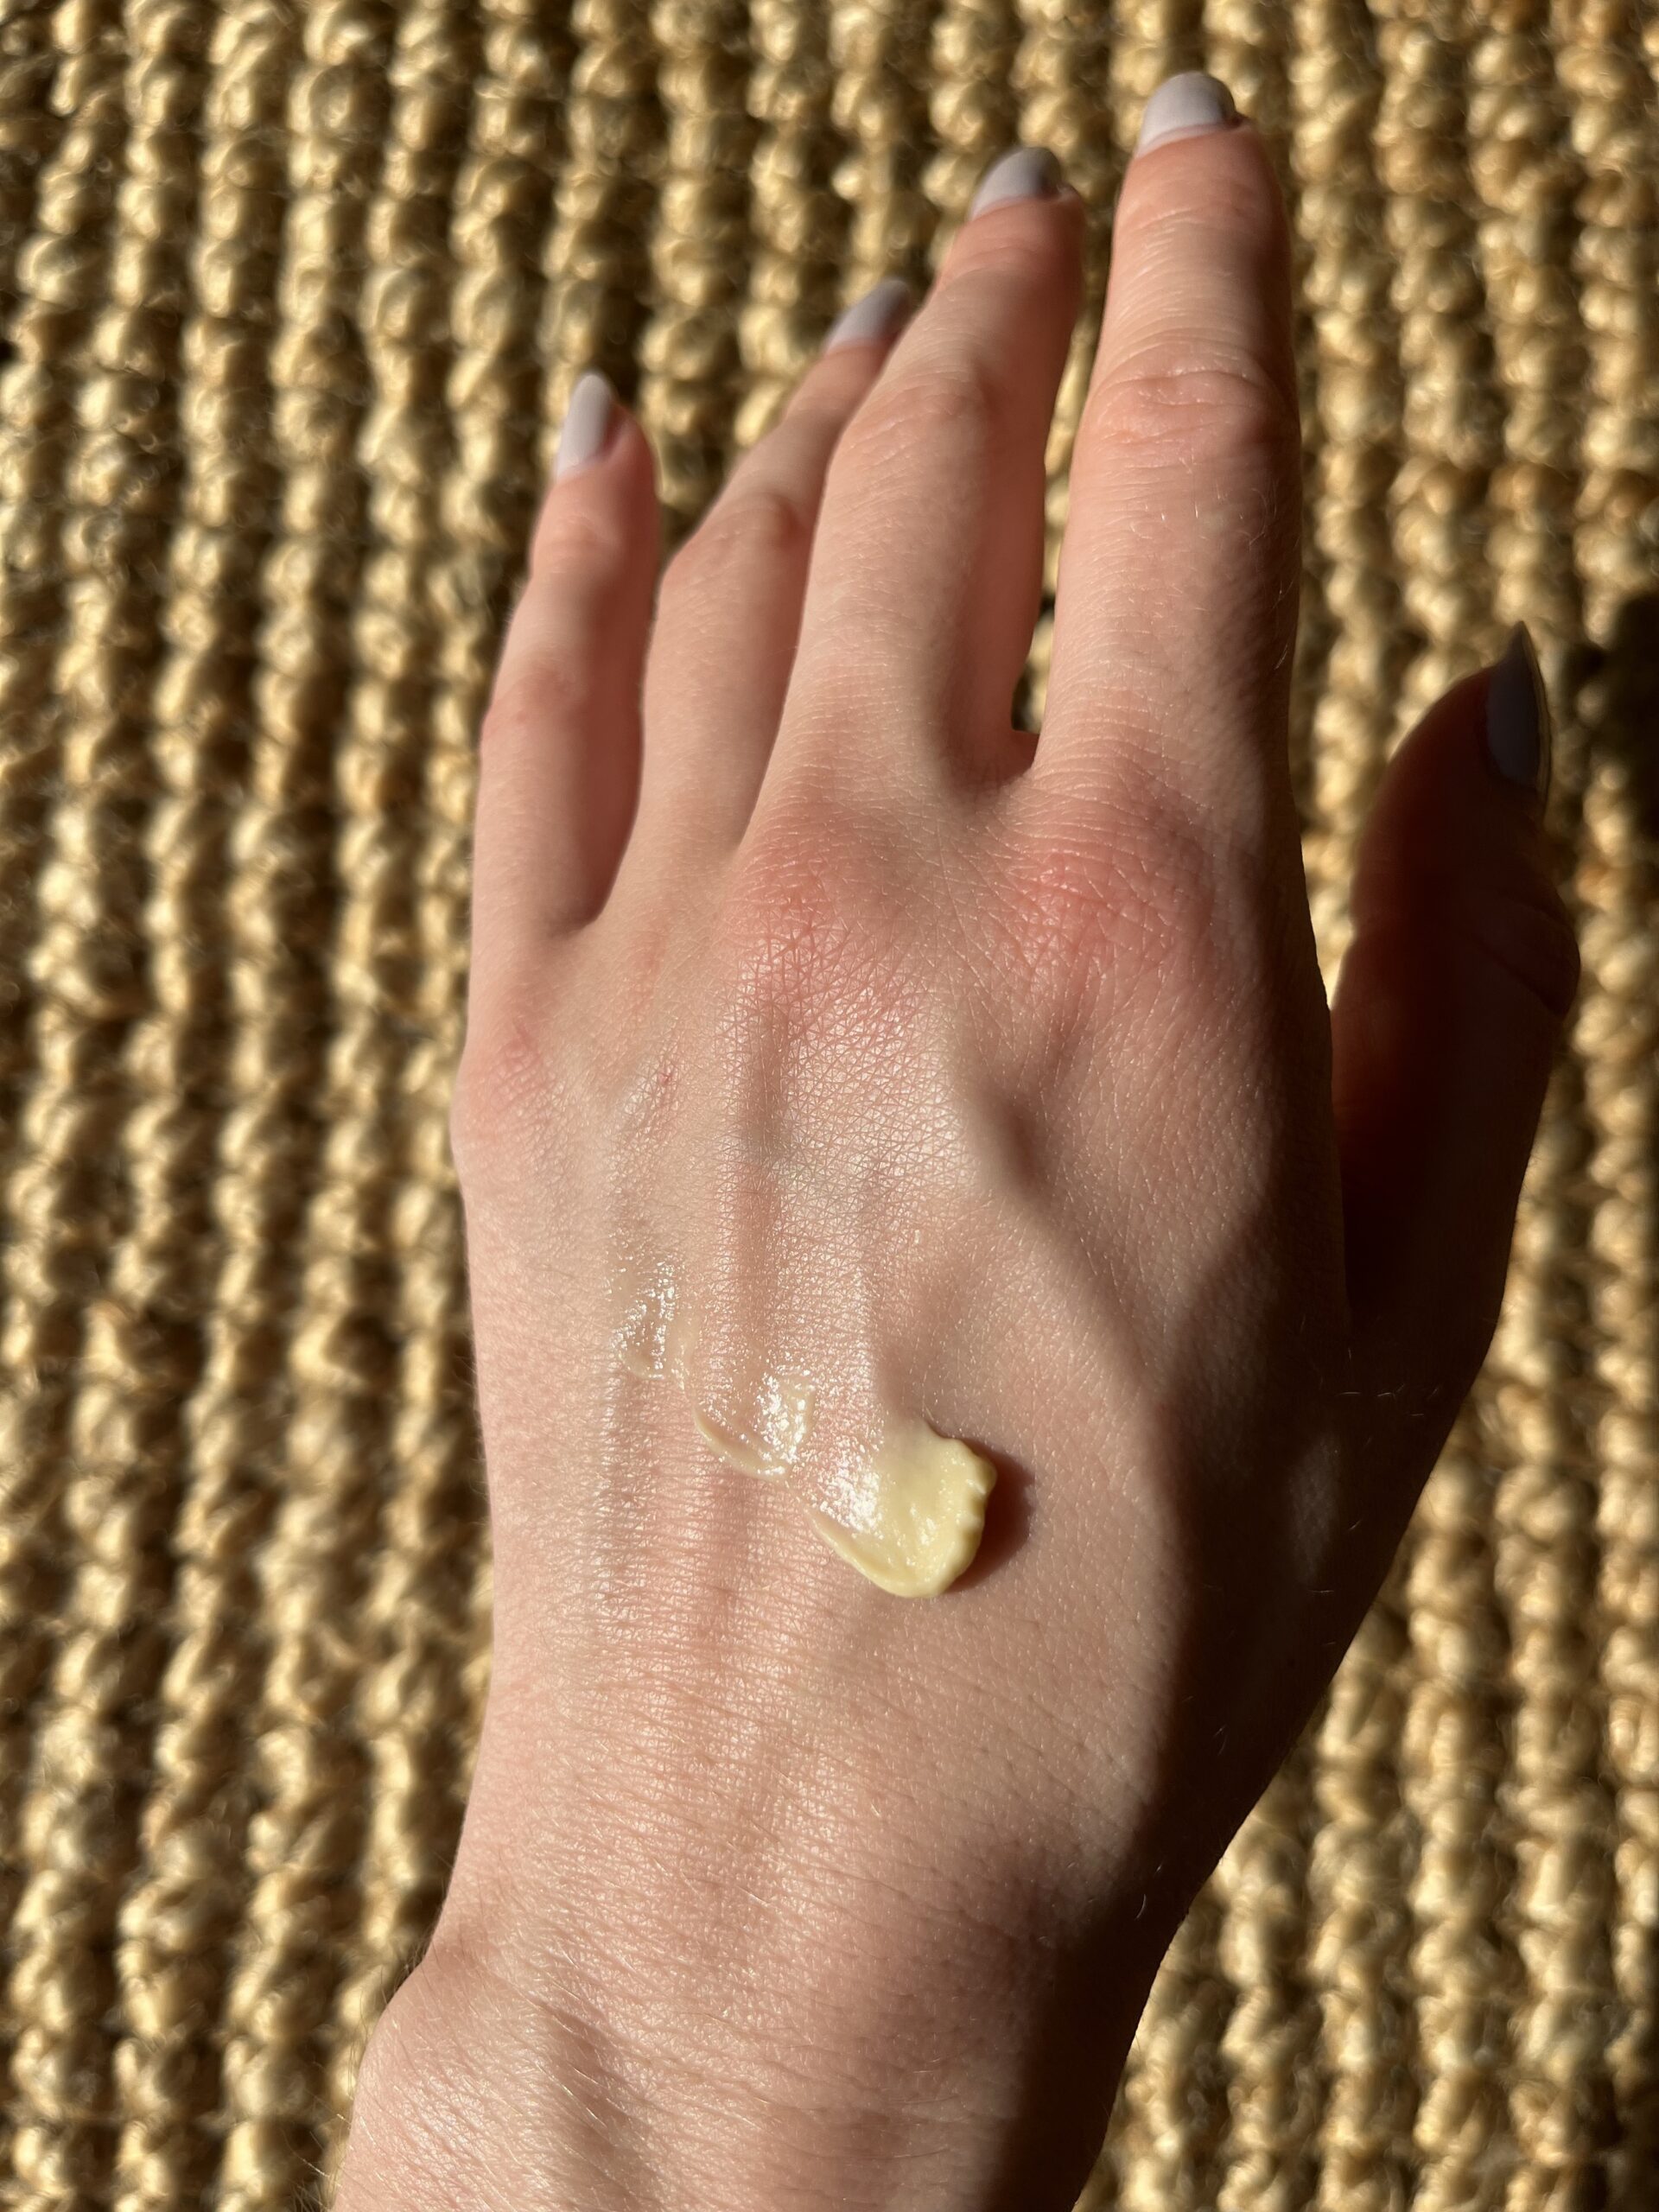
{"points": [[927, 572], [1176, 601], [729, 610], [559, 751], [1447, 1012]]}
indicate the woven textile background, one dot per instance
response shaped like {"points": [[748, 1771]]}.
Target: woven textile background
{"points": [[292, 292]]}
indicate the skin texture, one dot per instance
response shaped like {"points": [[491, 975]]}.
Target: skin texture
{"points": [[987, 1079]]}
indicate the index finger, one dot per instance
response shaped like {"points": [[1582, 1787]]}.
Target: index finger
{"points": [[1176, 607]]}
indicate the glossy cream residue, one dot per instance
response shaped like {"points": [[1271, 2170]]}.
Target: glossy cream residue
{"points": [[916, 1501], [655, 1337], [772, 1438], [921, 1512]]}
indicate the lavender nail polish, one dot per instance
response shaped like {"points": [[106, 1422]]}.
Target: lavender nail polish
{"points": [[1185, 107], [878, 314], [1028, 173], [587, 424]]}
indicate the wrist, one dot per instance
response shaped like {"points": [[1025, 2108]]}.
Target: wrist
{"points": [[986, 2088]]}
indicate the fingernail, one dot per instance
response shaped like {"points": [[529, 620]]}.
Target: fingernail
{"points": [[1518, 733], [1183, 106], [1028, 173], [587, 424], [877, 314]]}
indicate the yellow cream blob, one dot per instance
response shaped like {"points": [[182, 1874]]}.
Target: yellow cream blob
{"points": [[921, 1512]]}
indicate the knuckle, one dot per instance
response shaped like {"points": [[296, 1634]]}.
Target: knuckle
{"points": [[471, 1110], [1006, 268], [817, 417], [1532, 940], [550, 688], [1130, 902], [961, 402], [1519, 930], [763, 519], [758, 524], [1175, 400], [501, 1079], [578, 547], [802, 922], [781, 919], [1235, 207]]}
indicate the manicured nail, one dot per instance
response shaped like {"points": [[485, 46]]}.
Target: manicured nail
{"points": [[1183, 106], [877, 314], [587, 424], [1028, 173], [1518, 733]]}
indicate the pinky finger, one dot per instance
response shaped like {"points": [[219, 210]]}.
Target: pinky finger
{"points": [[559, 752]]}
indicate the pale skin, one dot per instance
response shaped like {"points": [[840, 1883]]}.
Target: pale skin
{"points": [[993, 1076]]}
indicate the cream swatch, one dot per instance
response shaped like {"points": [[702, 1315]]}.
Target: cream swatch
{"points": [[915, 1507]]}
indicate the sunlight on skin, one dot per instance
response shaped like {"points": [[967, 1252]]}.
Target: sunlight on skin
{"points": [[927, 1109]]}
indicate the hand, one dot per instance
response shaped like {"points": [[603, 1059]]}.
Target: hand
{"points": [[825, 1028]]}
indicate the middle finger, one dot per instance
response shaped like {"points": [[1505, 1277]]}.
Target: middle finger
{"points": [[927, 569]]}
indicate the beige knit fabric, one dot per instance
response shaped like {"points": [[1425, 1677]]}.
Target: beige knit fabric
{"points": [[292, 293]]}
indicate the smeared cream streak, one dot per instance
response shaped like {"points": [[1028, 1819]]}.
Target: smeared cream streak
{"points": [[915, 1502]]}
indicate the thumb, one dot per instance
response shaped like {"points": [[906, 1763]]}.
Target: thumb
{"points": [[1447, 1011]]}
